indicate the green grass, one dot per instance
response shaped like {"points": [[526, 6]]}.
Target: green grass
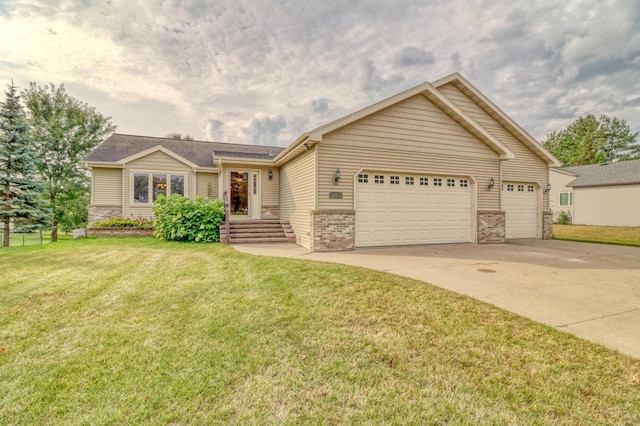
{"points": [[140, 331], [619, 235]]}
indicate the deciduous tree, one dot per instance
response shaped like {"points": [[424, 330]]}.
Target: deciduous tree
{"points": [[64, 130]]}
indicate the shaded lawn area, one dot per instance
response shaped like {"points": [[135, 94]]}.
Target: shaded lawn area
{"points": [[141, 331], [620, 235]]}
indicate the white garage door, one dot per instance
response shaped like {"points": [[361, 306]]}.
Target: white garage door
{"points": [[404, 209], [520, 203]]}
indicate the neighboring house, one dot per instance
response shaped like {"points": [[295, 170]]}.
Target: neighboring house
{"points": [[438, 163], [599, 194], [561, 195]]}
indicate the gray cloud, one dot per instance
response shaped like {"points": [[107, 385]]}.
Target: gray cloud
{"points": [[320, 106], [411, 55], [371, 82], [265, 130]]}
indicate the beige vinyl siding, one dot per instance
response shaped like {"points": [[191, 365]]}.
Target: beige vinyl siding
{"points": [[429, 142], [270, 189], [526, 166], [106, 186], [413, 125], [157, 162], [607, 205], [297, 195], [207, 184]]}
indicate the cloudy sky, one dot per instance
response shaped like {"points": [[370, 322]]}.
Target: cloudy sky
{"points": [[265, 71]]}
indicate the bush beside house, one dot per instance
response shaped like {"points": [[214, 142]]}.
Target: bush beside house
{"points": [[180, 218]]}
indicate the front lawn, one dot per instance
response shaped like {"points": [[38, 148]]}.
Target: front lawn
{"points": [[141, 331], [621, 235]]}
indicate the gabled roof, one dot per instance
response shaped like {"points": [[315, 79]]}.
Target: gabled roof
{"points": [[119, 148], [497, 114], [618, 173], [428, 91]]}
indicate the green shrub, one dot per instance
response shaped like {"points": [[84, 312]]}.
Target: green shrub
{"points": [[183, 219], [121, 222], [563, 218]]}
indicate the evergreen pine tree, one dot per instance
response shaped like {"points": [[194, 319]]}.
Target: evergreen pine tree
{"points": [[20, 186]]}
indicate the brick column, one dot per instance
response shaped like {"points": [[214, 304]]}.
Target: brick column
{"points": [[333, 230], [491, 227]]}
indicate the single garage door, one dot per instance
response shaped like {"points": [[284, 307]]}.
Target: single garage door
{"points": [[520, 203], [404, 209]]}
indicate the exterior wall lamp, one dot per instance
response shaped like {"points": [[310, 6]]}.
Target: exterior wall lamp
{"points": [[336, 178], [491, 184], [270, 174], [548, 188]]}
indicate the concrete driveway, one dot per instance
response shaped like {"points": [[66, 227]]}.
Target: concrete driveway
{"points": [[590, 290]]}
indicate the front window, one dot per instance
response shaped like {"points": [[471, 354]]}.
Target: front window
{"points": [[159, 186], [566, 199], [177, 185], [140, 188], [147, 186]]}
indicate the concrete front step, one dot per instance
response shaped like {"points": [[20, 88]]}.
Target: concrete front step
{"points": [[261, 240], [255, 226], [258, 231], [235, 236]]}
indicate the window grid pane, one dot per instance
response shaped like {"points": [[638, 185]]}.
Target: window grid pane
{"points": [[424, 181], [177, 185], [378, 179], [408, 180], [363, 178], [520, 188], [437, 181], [159, 186], [140, 188], [451, 182], [464, 183]]}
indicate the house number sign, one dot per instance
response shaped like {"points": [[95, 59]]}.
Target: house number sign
{"points": [[336, 195]]}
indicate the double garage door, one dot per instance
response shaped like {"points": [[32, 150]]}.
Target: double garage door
{"points": [[405, 209]]}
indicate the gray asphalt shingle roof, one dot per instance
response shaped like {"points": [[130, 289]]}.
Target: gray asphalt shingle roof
{"points": [[618, 173], [117, 147]]}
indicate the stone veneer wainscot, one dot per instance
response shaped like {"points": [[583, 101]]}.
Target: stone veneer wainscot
{"points": [[491, 227], [333, 230]]}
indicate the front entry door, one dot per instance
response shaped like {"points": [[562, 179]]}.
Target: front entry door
{"points": [[239, 190]]}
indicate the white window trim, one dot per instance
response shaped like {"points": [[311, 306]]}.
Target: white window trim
{"points": [[150, 173], [569, 199]]}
